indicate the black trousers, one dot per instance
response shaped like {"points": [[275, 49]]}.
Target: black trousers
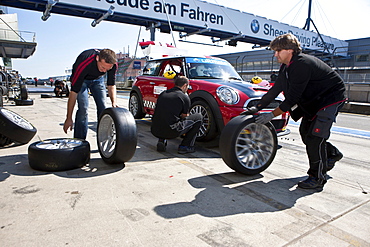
{"points": [[314, 134], [190, 127]]}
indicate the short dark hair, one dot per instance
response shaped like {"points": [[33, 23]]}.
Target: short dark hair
{"points": [[286, 42], [108, 55], [181, 81]]}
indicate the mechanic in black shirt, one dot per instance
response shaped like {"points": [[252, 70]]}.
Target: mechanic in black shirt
{"points": [[87, 75], [171, 117], [313, 92]]}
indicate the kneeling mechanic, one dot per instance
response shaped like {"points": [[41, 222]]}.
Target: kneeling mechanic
{"points": [[171, 118]]}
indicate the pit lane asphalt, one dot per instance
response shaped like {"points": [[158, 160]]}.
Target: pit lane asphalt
{"points": [[168, 199]]}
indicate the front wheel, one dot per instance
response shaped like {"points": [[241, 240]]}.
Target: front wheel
{"points": [[208, 129], [248, 147]]}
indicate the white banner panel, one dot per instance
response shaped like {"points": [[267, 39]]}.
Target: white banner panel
{"points": [[203, 14]]}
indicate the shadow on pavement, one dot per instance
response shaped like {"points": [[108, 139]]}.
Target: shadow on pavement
{"points": [[217, 200], [18, 165]]}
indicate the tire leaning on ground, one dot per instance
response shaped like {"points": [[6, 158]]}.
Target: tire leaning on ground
{"points": [[3, 92], [116, 135], [15, 127], [248, 147], [23, 92], [1, 97], [54, 155], [5, 141]]}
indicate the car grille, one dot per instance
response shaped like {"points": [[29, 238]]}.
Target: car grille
{"points": [[253, 102]]}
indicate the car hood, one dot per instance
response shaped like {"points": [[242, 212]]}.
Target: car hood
{"points": [[251, 90]]}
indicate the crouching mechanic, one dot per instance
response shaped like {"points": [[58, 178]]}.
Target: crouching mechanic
{"points": [[171, 117], [87, 75], [313, 92]]}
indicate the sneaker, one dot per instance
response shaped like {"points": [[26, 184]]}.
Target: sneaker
{"points": [[185, 149], [311, 183], [332, 160], [161, 145]]}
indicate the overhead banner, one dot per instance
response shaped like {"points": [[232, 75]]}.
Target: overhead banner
{"points": [[203, 14]]}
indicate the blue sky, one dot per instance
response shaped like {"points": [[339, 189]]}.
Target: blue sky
{"points": [[61, 38]]}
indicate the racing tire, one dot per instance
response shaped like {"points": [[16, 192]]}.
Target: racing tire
{"points": [[136, 106], [20, 102], [208, 129], [5, 141], [15, 127], [3, 90], [116, 135], [1, 98], [46, 95], [54, 155], [23, 92], [248, 147]]}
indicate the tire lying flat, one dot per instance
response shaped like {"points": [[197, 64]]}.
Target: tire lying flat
{"points": [[58, 154], [19, 102], [116, 135], [247, 147], [15, 127], [46, 95]]}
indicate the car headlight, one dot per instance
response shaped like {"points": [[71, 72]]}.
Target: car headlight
{"points": [[228, 95]]}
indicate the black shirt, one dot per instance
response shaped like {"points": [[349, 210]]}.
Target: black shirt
{"points": [[273, 77], [308, 83], [170, 105], [86, 68]]}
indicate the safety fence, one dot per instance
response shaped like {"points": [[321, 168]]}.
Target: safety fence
{"points": [[358, 92]]}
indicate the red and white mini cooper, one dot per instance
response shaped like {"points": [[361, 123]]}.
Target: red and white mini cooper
{"points": [[216, 91]]}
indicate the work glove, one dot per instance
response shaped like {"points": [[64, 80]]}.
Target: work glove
{"points": [[250, 111], [264, 118]]}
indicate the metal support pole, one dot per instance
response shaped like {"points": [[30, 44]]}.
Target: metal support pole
{"points": [[152, 32], [308, 20], [152, 28]]}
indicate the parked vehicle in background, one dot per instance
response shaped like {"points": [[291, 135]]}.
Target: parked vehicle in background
{"points": [[216, 91], [29, 82]]}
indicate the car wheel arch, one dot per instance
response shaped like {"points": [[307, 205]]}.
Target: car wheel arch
{"points": [[136, 89], [211, 101]]}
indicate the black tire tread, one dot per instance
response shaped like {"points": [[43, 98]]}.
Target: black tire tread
{"points": [[53, 160], [13, 131], [227, 144], [126, 135]]}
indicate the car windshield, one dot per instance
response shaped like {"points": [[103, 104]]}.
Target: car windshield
{"points": [[210, 68]]}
